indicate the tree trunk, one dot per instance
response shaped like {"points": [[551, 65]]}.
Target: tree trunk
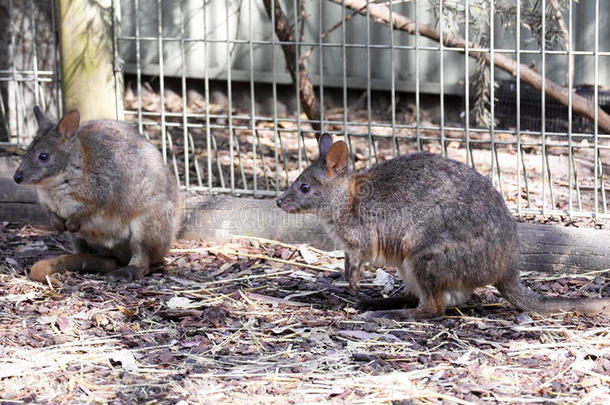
{"points": [[88, 59]]}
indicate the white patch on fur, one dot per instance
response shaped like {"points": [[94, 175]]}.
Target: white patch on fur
{"points": [[104, 231], [408, 278], [457, 297], [452, 298], [137, 229]]}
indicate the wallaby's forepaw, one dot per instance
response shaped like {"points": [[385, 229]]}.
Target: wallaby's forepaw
{"points": [[56, 223], [127, 273], [73, 224]]}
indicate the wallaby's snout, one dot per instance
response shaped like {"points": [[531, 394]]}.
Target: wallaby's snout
{"points": [[18, 177], [286, 203]]}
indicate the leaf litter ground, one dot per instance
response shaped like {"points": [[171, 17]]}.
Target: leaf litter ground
{"points": [[259, 322]]}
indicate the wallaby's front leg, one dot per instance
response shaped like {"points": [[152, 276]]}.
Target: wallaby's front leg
{"points": [[57, 223], [353, 261], [69, 262], [74, 221]]}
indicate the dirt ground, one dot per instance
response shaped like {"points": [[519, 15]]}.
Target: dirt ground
{"points": [[258, 322]]}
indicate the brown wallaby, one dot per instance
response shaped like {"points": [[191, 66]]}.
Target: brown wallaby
{"points": [[442, 224], [107, 186]]}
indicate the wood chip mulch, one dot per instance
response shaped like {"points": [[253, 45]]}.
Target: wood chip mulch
{"points": [[259, 322]]}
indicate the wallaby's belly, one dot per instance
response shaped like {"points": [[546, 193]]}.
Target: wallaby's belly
{"points": [[103, 230]]}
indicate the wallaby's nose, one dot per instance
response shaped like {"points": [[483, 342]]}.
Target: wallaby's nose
{"points": [[18, 177], [279, 202]]}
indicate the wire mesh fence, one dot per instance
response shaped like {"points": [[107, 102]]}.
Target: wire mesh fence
{"points": [[29, 66], [207, 81], [210, 83]]}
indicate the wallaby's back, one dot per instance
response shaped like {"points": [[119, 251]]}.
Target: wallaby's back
{"points": [[128, 169], [424, 205]]}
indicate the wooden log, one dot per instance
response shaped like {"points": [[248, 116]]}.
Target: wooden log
{"points": [[87, 53], [563, 249], [215, 218], [19, 204], [10, 192], [546, 248]]}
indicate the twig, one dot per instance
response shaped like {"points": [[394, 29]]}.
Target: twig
{"points": [[253, 256], [275, 242]]}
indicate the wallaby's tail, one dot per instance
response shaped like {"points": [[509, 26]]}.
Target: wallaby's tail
{"points": [[527, 300], [71, 262]]}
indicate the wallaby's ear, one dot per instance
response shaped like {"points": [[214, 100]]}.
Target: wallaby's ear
{"points": [[68, 125], [336, 159], [41, 118], [38, 114], [325, 142]]}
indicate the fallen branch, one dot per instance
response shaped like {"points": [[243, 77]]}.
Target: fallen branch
{"points": [[381, 14], [285, 33]]}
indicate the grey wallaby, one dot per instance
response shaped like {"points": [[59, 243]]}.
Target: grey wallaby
{"points": [[106, 185], [442, 224]]}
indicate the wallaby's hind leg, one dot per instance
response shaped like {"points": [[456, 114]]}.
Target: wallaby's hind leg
{"points": [[150, 240], [138, 266], [71, 262], [431, 305]]}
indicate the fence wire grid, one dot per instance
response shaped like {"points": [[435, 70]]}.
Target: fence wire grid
{"points": [[29, 66], [207, 82]]}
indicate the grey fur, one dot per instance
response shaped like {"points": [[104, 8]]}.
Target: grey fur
{"points": [[108, 186], [442, 224]]}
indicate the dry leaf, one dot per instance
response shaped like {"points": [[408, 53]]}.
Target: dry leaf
{"points": [[126, 359], [308, 255]]}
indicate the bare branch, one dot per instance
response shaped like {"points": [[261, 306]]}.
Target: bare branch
{"points": [[285, 33], [381, 14]]}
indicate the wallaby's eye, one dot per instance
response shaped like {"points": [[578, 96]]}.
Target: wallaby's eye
{"points": [[304, 188], [43, 156]]}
